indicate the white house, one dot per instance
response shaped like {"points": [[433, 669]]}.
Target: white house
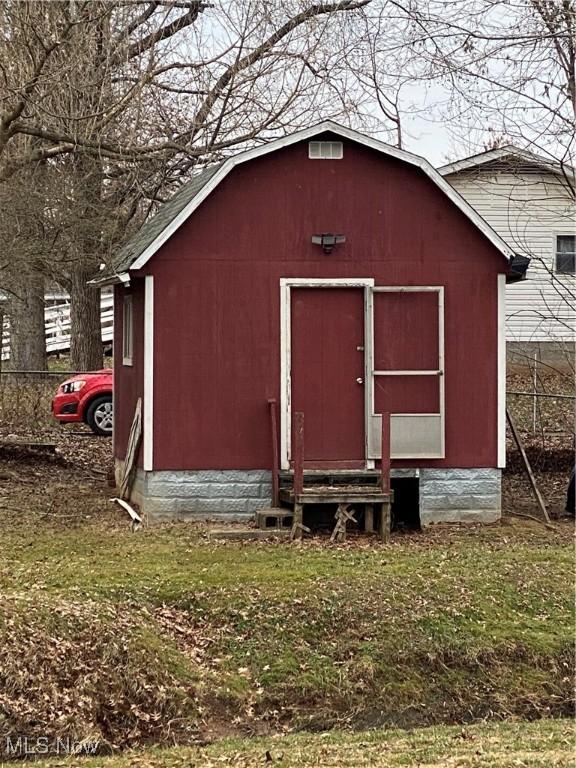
{"points": [[529, 201]]}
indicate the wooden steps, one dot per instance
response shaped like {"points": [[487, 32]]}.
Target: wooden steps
{"points": [[335, 494], [343, 488]]}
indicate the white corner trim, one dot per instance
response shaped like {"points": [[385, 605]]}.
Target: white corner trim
{"points": [[442, 367], [342, 131], [285, 373], [501, 371], [148, 420]]}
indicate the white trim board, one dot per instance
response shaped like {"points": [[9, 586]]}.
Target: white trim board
{"points": [[303, 135], [373, 420], [286, 283], [372, 423], [148, 420], [501, 353]]}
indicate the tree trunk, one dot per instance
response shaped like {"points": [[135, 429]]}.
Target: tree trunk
{"points": [[86, 334], [27, 334]]}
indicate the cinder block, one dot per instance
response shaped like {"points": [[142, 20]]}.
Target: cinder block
{"points": [[459, 501], [474, 473], [460, 495], [483, 516], [462, 487], [274, 518]]}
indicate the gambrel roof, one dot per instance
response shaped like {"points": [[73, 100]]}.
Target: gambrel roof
{"points": [[156, 231], [152, 229]]}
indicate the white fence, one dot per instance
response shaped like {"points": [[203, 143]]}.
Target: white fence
{"points": [[57, 323]]}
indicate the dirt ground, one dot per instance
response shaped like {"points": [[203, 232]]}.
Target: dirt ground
{"points": [[71, 483]]}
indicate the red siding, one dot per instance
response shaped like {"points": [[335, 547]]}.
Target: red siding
{"points": [[216, 317], [128, 379]]}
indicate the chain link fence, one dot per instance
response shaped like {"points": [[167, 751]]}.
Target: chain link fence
{"points": [[25, 400]]}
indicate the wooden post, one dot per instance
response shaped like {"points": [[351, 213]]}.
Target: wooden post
{"points": [[275, 467], [298, 466], [385, 478], [297, 525], [534, 399], [369, 518], [298, 453], [527, 466], [385, 460], [385, 521]]}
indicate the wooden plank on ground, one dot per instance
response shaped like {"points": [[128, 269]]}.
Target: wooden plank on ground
{"points": [[129, 469], [21, 442]]}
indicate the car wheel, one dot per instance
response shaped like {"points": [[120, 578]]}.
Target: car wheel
{"points": [[99, 415]]}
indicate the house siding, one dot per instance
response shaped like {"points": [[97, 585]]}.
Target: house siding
{"points": [[527, 208]]}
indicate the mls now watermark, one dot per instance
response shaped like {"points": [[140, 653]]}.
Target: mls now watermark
{"points": [[26, 746]]}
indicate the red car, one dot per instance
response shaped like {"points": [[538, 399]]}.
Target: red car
{"points": [[86, 398]]}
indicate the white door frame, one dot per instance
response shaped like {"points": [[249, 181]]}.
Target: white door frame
{"points": [[286, 284], [372, 423], [402, 422]]}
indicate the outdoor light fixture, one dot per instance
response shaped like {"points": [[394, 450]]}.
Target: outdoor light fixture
{"points": [[327, 240]]}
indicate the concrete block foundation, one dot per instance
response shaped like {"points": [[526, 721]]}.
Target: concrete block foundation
{"points": [[446, 495], [232, 495], [460, 496]]}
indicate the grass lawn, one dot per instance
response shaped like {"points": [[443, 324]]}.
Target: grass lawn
{"points": [[540, 744], [162, 637]]}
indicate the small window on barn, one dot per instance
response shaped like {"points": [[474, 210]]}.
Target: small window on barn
{"points": [[127, 331], [325, 150], [566, 254]]}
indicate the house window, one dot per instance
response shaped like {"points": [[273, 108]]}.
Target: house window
{"points": [[566, 254], [127, 331], [325, 150]]}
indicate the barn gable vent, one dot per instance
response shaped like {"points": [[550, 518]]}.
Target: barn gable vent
{"points": [[325, 150]]}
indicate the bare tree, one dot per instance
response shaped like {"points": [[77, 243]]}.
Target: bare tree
{"points": [[508, 69], [22, 231], [124, 99]]}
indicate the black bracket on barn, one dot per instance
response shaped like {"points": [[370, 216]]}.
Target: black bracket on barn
{"points": [[327, 240]]}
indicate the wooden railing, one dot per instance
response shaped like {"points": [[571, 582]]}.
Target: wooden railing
{"points": [[298, 452]]}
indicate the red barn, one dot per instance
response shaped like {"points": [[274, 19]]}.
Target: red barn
{"points": [[342, 278]]}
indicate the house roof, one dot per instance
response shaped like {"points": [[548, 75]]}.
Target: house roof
{"points": [[508, 152], [156, 231], [152, 229]]}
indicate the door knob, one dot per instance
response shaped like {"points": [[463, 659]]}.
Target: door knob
{"points": [[359, 380]]}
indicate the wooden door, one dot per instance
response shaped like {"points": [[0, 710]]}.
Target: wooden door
{"points": [[327, 374]]}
